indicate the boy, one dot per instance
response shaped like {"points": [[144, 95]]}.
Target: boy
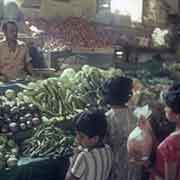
{"points": [[117, 93], [93, 161]]}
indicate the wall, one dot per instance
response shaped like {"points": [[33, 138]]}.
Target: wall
{"points": [[173, 6], [155, 13], [31, 12], [85, 8]]}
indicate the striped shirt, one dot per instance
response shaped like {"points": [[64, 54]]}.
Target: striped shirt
{"points": [[92, 165]]}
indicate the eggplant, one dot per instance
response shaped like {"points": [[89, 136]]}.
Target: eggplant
{"points": [[13, 127], [28, 117], [6, 108], [1, 123], [14, 110], [33, 109], [22, 110], [22, 119], [36, 115], [23, 126], [1, 110], [36, 121], [8, 120], [5, 129], [29, 124], [1, 118], [15, 117]]}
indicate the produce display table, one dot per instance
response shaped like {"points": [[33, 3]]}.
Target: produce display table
{"points": [[47, 169]]}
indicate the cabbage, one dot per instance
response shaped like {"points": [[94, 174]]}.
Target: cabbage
{"points": [[10, 94], [86, 68], [67, 74], [67, 78], [112, 72], [158, 37], [32, 85]]}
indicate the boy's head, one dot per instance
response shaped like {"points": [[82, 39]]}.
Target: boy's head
{"points": [[118, 90], [90, 127], [172, 100]]}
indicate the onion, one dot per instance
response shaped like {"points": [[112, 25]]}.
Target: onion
{"points": [[4, 129], [36, 121], [29, 124]]}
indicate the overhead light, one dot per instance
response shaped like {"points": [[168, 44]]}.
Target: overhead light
{"points": [[119, 53]]}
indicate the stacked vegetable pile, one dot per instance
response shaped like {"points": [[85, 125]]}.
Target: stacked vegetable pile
{"points": [[48, 141], [8, 153], [59, 99], [77, 32], [174, 70], [16, 118], [69, 93]]}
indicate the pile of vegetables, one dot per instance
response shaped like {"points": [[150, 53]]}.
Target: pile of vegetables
{"points": [[9, 153], [45, 104], [48, 141], [70, 92], [16, 118], [75, 32], [174, 67], [158, 37]]}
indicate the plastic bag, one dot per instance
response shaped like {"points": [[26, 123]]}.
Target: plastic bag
{"points": [[140, 140]]}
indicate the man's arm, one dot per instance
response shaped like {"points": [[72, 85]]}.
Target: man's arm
{"points": [[2, 76], [28, 68], [28, 64]]}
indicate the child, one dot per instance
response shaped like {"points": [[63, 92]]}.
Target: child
{"points": [[117, 92], [94, 159]]}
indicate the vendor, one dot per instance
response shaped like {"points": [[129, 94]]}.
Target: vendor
{"points": [[14, 55]]}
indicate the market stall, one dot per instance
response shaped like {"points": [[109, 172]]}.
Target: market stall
{"points": [[36, 113], [37, 117]]}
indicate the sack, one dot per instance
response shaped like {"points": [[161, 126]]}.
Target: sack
{"points": [[140, 140], [139, 145]]}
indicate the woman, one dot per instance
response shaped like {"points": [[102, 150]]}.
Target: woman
{"points": [[167, 165]]}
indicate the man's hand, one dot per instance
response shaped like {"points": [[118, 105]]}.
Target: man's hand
{"points": [[28, 68]]}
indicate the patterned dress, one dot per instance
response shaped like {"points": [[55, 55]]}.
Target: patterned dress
{"points": [[168, 152], [120, 123]]}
